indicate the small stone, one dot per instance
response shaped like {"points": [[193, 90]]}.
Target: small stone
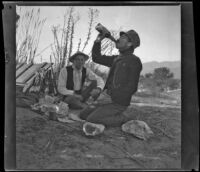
{"points": [[91, 129]]}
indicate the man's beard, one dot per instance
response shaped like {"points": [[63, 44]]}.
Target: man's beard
{"points": [[125, 51]]}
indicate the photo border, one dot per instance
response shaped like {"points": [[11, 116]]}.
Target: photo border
{"points": [[189, 94]]}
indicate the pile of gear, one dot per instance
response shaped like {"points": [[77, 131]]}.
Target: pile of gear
{"points": [[43, 82], [52, 107]]}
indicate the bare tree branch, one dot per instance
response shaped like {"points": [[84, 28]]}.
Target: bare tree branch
{"points": [[93, 14], [28, 31]]}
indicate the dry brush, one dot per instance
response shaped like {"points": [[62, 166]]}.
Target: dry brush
{"points": [[28, 31]]}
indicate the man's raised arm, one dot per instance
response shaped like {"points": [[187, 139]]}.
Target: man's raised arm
{"points": [[101, 59]]}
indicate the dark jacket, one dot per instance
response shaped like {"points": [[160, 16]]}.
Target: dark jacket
{"points": [[123, 78]]}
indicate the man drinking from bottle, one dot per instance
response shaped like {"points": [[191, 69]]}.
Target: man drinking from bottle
{"points": [[122, 81]]}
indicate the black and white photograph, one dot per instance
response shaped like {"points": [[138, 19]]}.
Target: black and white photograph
{"points": [[98, 87]]}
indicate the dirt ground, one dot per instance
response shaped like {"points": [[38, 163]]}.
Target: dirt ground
{"points": [[46, 144]]}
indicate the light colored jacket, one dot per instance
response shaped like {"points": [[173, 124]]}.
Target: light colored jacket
{"points": [[77, 76]]}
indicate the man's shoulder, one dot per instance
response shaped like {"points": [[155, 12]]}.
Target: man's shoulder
{"points": [[134, 59], [87, 69]]}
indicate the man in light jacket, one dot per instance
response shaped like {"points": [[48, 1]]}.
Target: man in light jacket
{"points": [[72, 82]]}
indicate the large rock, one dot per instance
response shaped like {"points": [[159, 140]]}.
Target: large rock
{"points": [[138, 128]]}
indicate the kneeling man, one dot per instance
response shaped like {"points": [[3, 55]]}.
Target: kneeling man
{"points": [[122, 81]]}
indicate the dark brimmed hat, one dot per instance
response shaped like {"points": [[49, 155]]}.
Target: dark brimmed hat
{"points": [[133, 36], [71, 59]]}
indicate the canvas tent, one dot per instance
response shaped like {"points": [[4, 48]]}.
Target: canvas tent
{"points": [[25, 73]]}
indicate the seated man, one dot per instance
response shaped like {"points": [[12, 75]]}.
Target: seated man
{"points": [[122, 81], [72, 80]]}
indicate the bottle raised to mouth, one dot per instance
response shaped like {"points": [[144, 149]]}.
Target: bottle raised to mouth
{"points": [[103, 30]]}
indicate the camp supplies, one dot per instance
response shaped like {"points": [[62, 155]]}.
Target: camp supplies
{"points": [[63, 109], [48, 106], [53, 116], [49, 99]]}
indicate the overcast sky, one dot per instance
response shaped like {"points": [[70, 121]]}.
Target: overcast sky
{"points": [[159, 28]]}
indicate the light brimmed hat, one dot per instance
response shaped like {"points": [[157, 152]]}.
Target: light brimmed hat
{"points": [[71, 59], [133, 36]]}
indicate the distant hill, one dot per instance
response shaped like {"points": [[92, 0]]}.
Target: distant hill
{"points": [[174, 66]]}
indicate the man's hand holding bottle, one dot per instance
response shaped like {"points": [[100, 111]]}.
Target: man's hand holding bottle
{"points": [[100, 37]]}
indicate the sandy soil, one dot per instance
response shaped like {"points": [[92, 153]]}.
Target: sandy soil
{"points": [[46, 144]]}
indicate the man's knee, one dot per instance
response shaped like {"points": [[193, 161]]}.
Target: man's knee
{"points": [[69, 99], [86, 91], [104, 121], [74, 103], [115, 120], [86, 112], [98, 118]]}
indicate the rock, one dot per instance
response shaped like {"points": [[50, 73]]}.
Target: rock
{"points": [[91, 129], [138, 128]]}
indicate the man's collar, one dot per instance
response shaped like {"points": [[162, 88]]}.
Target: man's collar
{"points": [[76, 68], [126, 54]]}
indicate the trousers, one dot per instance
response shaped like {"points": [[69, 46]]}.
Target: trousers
{"points": [[110, 115], [75, 103]]}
